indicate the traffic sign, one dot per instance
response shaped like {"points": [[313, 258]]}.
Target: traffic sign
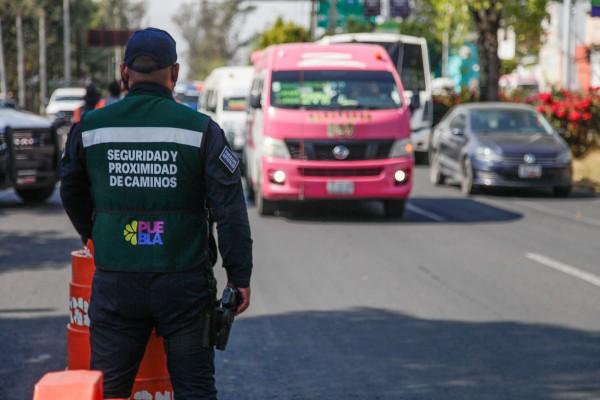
{"points": [[595, 8], [400, 8], [346, 9], [372, 8]]}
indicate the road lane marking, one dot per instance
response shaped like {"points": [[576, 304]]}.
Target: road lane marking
{"points": [[559, 213], [565, 268], [424, 213]]}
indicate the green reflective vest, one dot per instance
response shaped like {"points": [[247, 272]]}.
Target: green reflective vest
{"points": [[143, 156]]}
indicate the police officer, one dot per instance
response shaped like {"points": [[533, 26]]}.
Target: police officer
{"points": [[141, 177]]}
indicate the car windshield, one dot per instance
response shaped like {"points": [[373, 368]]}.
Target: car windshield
{"points": [[234, 104], [68, 98], [508, 121], [334, 90]]}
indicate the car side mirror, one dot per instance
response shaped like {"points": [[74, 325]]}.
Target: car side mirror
{"points": [[255, 99], [415, 102], [457, 132]]}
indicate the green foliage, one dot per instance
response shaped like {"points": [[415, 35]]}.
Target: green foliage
{"points": [[212, 31], [282, 32], [88, 63]]}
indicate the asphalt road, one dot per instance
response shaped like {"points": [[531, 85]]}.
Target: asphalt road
{"points": [[491, 297]]}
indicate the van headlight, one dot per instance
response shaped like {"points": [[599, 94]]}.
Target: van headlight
{"points": [[564, 157], [275, 148], [487, 154], [402, 148]]}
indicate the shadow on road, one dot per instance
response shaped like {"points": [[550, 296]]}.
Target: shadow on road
{"points": [[375, 354], [28, 349], [358, 354], [419, 210], [30, 251], [9, 202]]}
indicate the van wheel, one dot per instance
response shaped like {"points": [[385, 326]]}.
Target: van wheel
{"points": [[394, 208], [35, 196], [435, 173], [264, 206]]}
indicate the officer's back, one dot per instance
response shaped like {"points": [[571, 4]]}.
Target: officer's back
{"points": [[140, 177]]}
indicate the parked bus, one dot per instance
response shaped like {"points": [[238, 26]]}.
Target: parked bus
{"points": [[327, 122], [409, 55]]}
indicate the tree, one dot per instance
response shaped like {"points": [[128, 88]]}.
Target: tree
{"points": [[212, 32], [525, 16], [282, 32]]}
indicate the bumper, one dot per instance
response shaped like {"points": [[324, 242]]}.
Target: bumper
{"points": [[373, 179], [420, 139], [508, 176]]}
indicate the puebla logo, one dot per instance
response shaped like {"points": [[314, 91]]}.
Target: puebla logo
{"points": [[144, 233]]}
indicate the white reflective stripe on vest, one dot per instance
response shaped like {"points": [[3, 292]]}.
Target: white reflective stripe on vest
{"points": [[142, 135]]}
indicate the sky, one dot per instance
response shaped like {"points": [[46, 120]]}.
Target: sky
{"points": [[160, 14]]}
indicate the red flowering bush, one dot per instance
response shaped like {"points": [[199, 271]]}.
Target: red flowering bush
{"points": [[575, 115]]}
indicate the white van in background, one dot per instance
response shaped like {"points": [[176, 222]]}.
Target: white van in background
{"points": [[409, 54], [225, 94]]}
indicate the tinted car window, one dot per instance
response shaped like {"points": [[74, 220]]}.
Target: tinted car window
{"points": [[508, 121]]}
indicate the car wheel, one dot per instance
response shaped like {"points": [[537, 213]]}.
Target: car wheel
{"points": [[466, 183], [394, 208], [264, 206], [562, 191], [35, 196], [435, 174]]}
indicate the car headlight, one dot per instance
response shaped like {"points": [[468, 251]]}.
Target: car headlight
{"points": [[487, 154], [275, 148], [564, 157], [402, 148]]}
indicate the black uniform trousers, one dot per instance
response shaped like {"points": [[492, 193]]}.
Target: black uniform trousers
{"points": [[126, 306]]}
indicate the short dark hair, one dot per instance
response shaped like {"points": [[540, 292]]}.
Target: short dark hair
{"points": [[114, 89], [144, 64]]}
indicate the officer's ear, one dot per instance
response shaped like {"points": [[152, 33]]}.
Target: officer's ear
{"points": [[175, 73], [125, 75]]}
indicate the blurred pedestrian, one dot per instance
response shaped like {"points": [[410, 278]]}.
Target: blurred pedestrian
{"points": [[90, 100], [114, 95], [141, 178]]}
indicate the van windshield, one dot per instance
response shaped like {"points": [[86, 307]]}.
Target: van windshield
{"points": [[334, 90]]}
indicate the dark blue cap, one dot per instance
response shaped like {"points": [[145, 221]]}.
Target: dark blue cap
{"points": [[154, 43]]}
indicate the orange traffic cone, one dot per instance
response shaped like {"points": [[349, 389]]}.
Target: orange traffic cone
{"points": [[69, 385]]}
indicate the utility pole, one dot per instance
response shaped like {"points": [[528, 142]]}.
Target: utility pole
{"points": [[3, 86], [43, 77], [313, 18], [445, 53], [332, 17], [67, 40], [566, 44], [20, 62]]}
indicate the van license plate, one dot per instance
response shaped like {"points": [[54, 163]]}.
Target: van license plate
{"points": [[340, 187], [530, 171]]}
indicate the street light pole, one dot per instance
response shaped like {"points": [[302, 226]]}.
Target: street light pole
{"points": [[20, 62], [332, 16], [67, 40], [3, 85], [43, 77], [566, 44]]}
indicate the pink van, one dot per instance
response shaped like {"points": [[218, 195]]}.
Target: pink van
{"points": [[327, 122]]}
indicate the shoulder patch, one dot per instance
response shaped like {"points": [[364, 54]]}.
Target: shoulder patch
{"points": [[229, 159]]}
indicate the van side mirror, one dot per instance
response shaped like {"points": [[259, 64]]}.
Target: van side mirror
{"points": [[255, 99], [415, 102]]}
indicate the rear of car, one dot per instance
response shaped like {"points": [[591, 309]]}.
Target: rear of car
{"points": [[328, 122], [64, 102], [28, 155]]}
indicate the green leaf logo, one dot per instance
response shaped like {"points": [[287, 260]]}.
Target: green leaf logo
{"points": [[130, 232]]}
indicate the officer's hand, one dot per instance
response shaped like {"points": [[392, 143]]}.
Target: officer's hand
{"points": [[245, 292]]}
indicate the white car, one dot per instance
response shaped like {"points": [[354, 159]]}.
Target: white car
{"points": [[64, 101]]}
